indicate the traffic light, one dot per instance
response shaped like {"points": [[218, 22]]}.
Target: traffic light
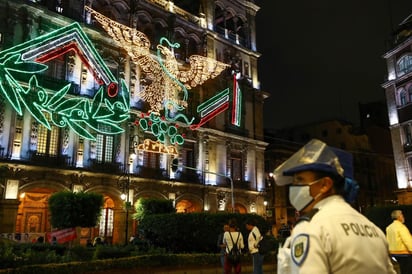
{"points": [[175, 164]]}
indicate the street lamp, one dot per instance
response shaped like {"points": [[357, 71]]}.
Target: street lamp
{"points": [[124, 184]]}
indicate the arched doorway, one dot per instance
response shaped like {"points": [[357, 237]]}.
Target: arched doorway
{"points": [[33, 216], [187, 206], [239, 208]]}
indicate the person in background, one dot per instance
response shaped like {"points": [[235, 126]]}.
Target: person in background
{"points": [[330, 237], [230, 238], [253, 243], [222, 246], [400, 242]]}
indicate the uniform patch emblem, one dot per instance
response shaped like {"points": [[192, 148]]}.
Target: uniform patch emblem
{"points": [[300, 248]]}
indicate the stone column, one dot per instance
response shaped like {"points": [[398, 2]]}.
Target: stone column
{"points": [[8, 213]]}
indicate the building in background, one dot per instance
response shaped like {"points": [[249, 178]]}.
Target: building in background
{"points": [[398, 92], [373, 165], [107, 98]]}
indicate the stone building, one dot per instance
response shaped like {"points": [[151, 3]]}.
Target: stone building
{"points": [[398, 91], [105, 96], [373, 166]]}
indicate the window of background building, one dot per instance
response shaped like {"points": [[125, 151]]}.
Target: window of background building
{"points": [[402, 98], [407, 134], [409, 166], [404, 64], [410, 93]]}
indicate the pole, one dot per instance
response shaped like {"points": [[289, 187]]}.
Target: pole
{"points": [[127, 209]]}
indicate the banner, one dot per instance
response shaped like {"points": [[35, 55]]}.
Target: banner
{"points": [[63, 235]]}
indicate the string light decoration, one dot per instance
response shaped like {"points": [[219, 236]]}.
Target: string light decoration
{"points": [[19, 69], [212, 107], [160, 128]]}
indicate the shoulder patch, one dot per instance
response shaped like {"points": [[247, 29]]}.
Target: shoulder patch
{"points": [[300, 248]]}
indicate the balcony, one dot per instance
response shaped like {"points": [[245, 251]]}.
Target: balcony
{"points": [[153, 173], [105, 167], [43, 159], [405, 113], [189, 176]]}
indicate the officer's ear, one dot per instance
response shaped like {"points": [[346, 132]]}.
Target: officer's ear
{"points": [[327, 184]]}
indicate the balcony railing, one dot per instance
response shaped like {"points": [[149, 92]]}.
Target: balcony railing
{"points": [[43, 159], [189, 176], [405, 113], [149, 172], [105, 167]]}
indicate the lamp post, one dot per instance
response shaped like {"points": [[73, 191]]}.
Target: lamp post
{"points": [[124, 184]]}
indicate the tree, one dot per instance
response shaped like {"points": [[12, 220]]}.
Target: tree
{"points": [[149, 206], [70, 209]]}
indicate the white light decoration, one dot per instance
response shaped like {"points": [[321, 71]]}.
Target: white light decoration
{"points": [[168, 80], [77, 188]]}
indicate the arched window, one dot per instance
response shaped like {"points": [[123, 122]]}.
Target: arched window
{"points": [[410, 94], [106, 219], [404, 64]]}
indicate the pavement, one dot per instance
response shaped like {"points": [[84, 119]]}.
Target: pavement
{"points": [[267, 269]]}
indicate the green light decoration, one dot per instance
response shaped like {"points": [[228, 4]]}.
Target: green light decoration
{"points": [[19, 85], [160, 128]]}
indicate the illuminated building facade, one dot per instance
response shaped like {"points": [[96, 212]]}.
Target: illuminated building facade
{"points": [[93, 93], [398, 91]]}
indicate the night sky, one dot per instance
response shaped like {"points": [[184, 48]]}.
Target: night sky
{"points": [[321, 58]]}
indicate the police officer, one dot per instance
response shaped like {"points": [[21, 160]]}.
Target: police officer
{"points": [[330, 236]]}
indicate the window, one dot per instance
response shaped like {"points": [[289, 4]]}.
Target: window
{"points": [[106, 219], [104, 148], [404, 65], [151, 160], [17, 137], [56, 68], [47, 141], [402, 98], [410, 93], [236, 171], [407, 134], [188, 157], [410, 164]]}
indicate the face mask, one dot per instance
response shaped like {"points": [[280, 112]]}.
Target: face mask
{"points": [[299, 195]]}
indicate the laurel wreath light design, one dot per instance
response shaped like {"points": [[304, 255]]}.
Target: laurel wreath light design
{"points": [[21, 65]]}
